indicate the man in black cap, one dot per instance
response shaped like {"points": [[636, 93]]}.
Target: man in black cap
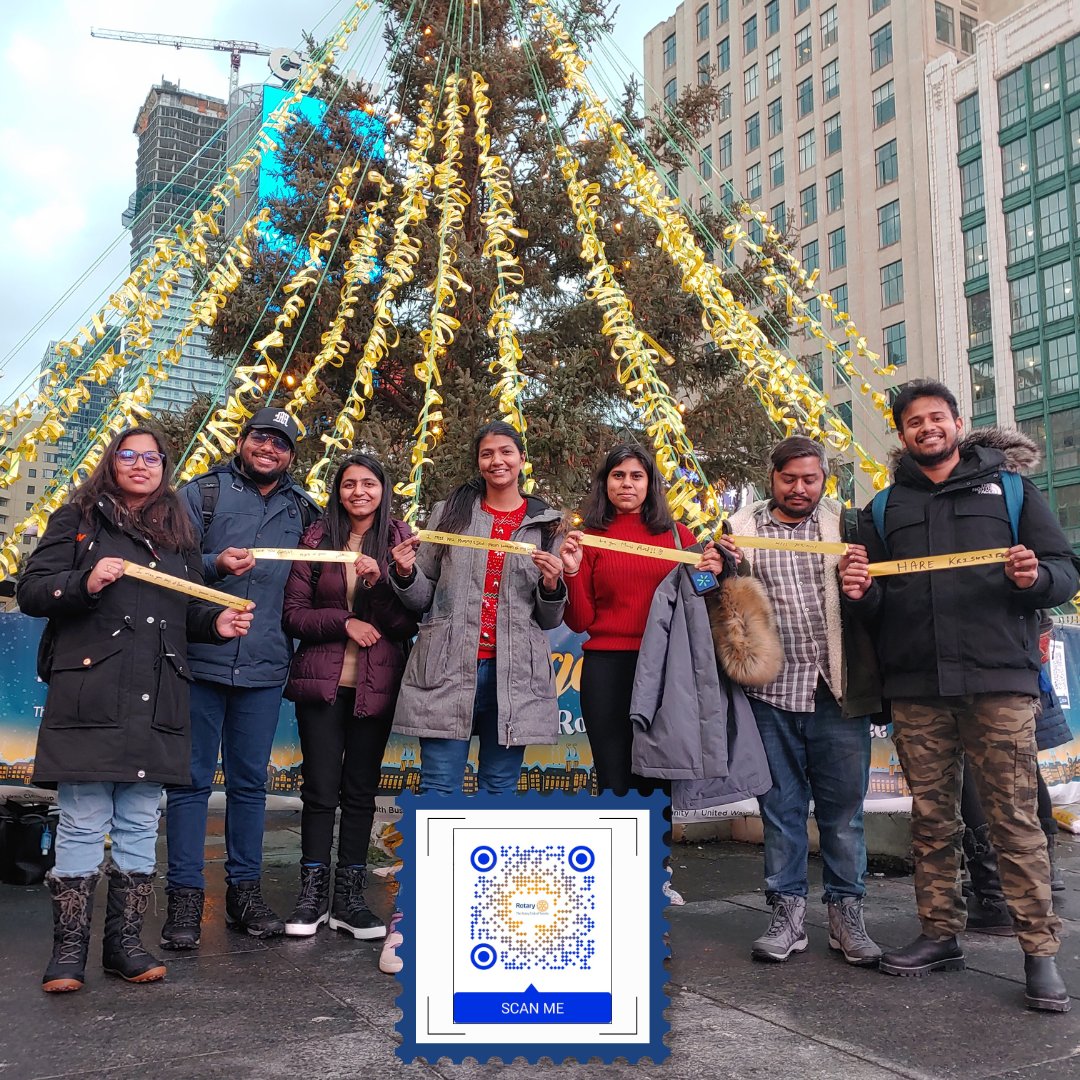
{"points": [[235, 699]]}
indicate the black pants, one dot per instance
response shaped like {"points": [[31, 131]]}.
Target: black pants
{"points": [[342, 765], [607, 685]]}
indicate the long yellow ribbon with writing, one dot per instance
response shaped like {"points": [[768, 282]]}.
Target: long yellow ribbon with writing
{"points": [[955, 561], [482, 543], [191, 588], [806, 547], [303, 555], [774, 543]]}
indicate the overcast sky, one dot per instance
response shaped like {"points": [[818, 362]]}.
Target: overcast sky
{"points": [[67, 150]]}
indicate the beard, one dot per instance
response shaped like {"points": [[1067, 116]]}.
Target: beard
{"points": [[799, 510], [934, 457]]}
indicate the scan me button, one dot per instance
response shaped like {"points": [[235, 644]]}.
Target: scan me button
{"points": [[532, 1007]]}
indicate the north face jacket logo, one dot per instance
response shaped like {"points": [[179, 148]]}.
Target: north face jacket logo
{"points": [[988, 489]]}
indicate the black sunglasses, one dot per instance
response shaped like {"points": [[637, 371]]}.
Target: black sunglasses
{"points": [[281, 445]]}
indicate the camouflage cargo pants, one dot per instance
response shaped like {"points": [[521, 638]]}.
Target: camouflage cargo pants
{"points": [[997, 732]]}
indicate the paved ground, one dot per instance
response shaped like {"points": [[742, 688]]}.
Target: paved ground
{"points": [[320, 1008]]}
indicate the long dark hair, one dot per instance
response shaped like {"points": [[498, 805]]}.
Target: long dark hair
{"points": [[599, 512], [376, 542], [161, 518], [457, 513]]}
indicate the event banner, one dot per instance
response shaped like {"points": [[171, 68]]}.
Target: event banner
{"points": [[563, 766]]}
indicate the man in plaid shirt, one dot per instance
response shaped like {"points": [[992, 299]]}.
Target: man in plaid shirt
{"points": [[814, 750]]}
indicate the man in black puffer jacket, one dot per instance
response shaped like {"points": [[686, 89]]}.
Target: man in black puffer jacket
{"points": [[959, 656]]}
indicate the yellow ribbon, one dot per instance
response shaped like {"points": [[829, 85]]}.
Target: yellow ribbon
{"points": [[190, 588], [956, 561], [478, 543]]}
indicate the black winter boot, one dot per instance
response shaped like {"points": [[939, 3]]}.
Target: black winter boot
{"points": [[1050, 828], [183, 925], [73, 905], [1044, 988], [122, 952], [350, 911], [313, 904], [246, 910], [987, 911], [923, 956]]}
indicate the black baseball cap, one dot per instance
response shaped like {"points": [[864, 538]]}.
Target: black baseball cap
{"points": [[276, 420]]}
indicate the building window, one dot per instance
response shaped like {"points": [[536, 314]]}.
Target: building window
{"points": [[834, 191], [895, 338], [982, 387], [1054, 220], [801, 6], [971, 186], [1016, 165], [1064, 376], [808, 206], [749, 35], [804, 46], [778, 215], [1024, 303], [813, 365], [1071, 48], [878, 5], [1012, 98], [811, 258], [884, 104], [881, 47], [1074, 137], [839, 295], [753, 132], [723, 12], [892, 284], [724, 157], [888, 224], [975, 252], [671, 93], [723, 55], [703, 22], [1057, 287], [834, 139], [704, 70], [1049, 151], [772, 18], [967, 33], [772, 67], [830, 28], [837, 249], [776, 168], [830, 80], [804, 94], [1045, 81], [753, 182], [776, 117], [807, 150], [750, 84], [1027, 364], [31, 474], [1019, 234], [669, 50], [945, 19], [885, 164], [978, 313], [725, 102], [705, 163], [967, 122]]}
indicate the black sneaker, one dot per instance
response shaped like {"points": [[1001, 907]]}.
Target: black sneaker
{"points": [[313, 904], [350, 911], [183, 925], [246, 910]]}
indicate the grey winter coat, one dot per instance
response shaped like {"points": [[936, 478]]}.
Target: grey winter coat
{"points": [[437, 690], [690, 722]]}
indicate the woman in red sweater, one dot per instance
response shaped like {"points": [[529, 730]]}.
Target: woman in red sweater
{"points": [[608, 598]]}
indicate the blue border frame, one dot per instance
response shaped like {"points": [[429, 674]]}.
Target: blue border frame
{"points": [[410, 1050]]}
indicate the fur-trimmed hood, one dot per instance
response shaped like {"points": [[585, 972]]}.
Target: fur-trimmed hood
{"points": [[1020, 453]]}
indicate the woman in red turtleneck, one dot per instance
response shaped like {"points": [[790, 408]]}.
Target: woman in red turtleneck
{"points": [[608, 597]]}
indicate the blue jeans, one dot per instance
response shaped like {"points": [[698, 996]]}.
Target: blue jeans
{"points": [[240, 722], [442, 761], [129, 813], [819, 755]]}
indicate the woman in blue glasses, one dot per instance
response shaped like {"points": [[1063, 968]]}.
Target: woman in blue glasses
{"points": [[116, 724]]}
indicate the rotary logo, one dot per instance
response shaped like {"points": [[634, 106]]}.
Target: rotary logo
{"points": [[541, 906]]}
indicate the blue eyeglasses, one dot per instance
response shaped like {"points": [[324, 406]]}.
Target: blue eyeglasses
{"points": [[151, 458]]}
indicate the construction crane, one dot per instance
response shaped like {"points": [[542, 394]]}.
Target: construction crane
{"points": [[284, 63]]}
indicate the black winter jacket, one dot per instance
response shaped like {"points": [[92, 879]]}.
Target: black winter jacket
{"points": [[117, 707], [966, 631]]}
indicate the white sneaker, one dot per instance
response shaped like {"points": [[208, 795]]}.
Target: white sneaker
{"points": [[389, 961]]}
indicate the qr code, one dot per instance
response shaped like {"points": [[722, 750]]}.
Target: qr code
{"points": [[533, 907]]}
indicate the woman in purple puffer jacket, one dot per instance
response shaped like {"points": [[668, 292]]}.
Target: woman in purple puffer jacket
{"points": [[352, 630]]}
